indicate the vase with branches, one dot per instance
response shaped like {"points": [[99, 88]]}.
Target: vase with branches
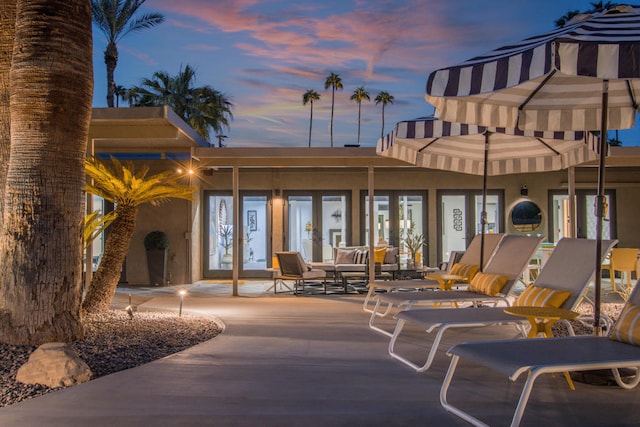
{"points": [[226, 236], [414, 243]]}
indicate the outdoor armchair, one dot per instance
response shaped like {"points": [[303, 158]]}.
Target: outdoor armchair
{"points": [[293, 268]]}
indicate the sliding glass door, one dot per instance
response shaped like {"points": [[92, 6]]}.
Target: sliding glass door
{"points": [[460, 214], [585, 215], [397, 214], [317, 222], [254, 231]]}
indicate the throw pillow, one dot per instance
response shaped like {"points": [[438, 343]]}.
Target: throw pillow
{"points": [[488, 284], [345, 256], [361, 256], [627, 327], [390, 255], [379, 254], [537, 296], [466, 270]]}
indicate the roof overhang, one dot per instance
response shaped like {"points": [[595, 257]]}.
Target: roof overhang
{"points": [[159, 130], [295, 157], [141, 130]]}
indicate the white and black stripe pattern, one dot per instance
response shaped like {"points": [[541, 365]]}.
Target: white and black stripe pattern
{"points": [[434, 144], [361, 256], [575, 59]]}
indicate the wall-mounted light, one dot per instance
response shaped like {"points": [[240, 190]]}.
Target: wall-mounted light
{"points": [[524, 191]]}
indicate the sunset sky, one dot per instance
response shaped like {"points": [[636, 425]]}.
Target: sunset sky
{"points": [[264, 54]]}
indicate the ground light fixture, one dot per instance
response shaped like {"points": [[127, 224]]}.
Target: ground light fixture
{"points": [[129, 308], [182, 293]]}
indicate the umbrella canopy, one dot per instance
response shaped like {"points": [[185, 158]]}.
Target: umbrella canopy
{"points": [[549, 82], [437, 144], [584, 76], [487, 151]]}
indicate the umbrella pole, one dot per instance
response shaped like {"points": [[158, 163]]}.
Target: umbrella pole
{"points": [[370, 191], [483, 214], [600, 207]]}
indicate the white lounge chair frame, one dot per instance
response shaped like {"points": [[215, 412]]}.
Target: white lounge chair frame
{"points": [[566, 269], [470, 256], [510, 259], [539, 356]]}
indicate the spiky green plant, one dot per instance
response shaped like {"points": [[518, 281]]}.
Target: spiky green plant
{"points": [[127, 189]]}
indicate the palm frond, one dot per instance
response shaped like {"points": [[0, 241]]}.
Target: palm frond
{"points": [[95, 224]]}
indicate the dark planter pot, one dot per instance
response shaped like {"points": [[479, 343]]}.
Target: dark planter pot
{"points": [[157, 264]]}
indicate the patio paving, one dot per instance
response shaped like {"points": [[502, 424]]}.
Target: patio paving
{"points": [[306, 361]]}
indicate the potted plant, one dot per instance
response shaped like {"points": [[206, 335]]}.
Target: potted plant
{"points": [[414, 243], [226, 238], [157, 244]]}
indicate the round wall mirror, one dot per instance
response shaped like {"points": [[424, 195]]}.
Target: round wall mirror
{"points": [[526, 217]]}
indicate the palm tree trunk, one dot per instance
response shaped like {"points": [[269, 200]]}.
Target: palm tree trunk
{"points": [[111, 60], [382, 130], [310, 123], [333, 95], [359, 111], [50, 108], [105, 281], [7, 34]]}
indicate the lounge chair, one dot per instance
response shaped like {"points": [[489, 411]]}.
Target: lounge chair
{"points": [[539, 356], [509, 259], [293, 268], [567, 269], [470, 257]]}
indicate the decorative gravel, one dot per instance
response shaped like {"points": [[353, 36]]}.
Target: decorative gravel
{"points": [[612, 310], [113, 342]]}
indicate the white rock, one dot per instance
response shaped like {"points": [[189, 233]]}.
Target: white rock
{"points": [[55, 365]]}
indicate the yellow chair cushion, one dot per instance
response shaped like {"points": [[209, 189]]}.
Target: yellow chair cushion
{"points": [[466, 270], [378, 255], [537, 296], [627, 327], [488, 284]]}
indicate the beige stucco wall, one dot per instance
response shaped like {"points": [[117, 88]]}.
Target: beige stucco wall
{"points": [[177, 217]]}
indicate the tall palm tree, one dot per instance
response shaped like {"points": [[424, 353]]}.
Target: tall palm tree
{"points": [[7, 34], [132, 96], [203, 108], [600, 6], [595, 7], [51, 90], [119, 92], [115, 18], [127, 189], [383, 98], [335, 82], [562, 21], [308, 98], [359, 95]]}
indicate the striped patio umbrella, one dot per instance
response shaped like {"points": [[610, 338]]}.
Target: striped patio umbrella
{"points": [[486, 151], [583, 76]]}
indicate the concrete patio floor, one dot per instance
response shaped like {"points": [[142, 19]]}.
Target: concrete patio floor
{"points": [[306, 361]]}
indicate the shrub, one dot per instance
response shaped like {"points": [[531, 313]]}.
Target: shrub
{"points": [[156, 240]]}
